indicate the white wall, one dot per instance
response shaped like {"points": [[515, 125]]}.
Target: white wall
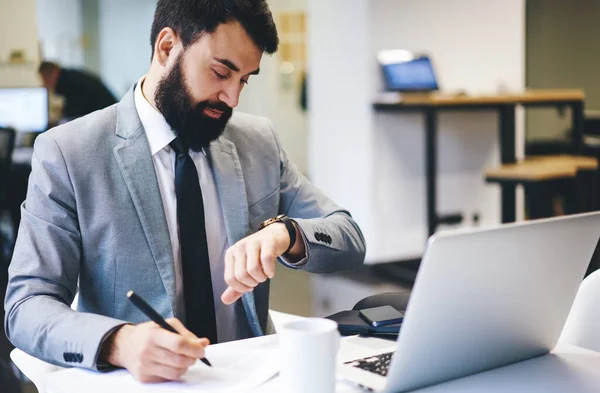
{"points": [[18, 30], [91, 34], [124, 28], [60, 31], [373, 163], [340, 143], [267, 96]]}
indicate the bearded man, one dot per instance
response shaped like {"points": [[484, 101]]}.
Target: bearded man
{"points": [[171, 195]]}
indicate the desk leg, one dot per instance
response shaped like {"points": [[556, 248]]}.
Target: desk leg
{"points": [[431, 167], [506, 118], [577, 125], [577, 204]]}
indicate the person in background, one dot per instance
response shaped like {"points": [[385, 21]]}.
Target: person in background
{"points": [[83, 92]]}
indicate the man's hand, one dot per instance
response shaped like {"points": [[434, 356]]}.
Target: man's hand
{"points": [[151, 353], [251, 261]]}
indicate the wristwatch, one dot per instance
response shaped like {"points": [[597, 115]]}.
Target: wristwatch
{"points": [[289, 225]]}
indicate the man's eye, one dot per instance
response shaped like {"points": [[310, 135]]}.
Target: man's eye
{"points": [[220, 76]]}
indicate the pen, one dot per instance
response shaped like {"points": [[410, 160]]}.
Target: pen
{"points": [[154, 316]]}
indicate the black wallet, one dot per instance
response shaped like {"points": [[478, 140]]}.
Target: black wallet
{"points": [[350, 323]]}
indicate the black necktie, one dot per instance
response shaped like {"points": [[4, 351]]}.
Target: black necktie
{"points": [[197, 284]]}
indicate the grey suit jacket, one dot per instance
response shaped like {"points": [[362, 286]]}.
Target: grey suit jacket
{"points": [[93, 222]]}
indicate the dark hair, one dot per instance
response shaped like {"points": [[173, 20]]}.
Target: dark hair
{"points": [[190, 18], [47, 66]]}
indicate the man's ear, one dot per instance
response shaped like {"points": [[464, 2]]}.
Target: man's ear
{"points": [[165, 42]]}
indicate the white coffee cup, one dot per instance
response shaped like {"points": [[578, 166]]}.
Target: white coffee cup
{"points": [[308, 350]]}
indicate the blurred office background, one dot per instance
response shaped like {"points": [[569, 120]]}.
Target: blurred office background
{"points": [[370, 160]]}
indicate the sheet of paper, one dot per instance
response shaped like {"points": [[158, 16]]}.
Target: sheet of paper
{"points": [[232, 371]]}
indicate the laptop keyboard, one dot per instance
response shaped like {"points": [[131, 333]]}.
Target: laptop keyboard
{"points": [[378, 364]]}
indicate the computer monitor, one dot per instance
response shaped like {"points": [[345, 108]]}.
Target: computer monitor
{"points": [[406, 72], [24, 108]]}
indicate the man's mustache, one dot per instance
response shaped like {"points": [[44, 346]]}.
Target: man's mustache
{"points": [[216, 105]]}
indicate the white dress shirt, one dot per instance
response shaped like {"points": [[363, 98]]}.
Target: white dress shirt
{"points": [[159, 135]]}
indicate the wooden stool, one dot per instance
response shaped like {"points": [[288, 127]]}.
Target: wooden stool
{"points": [[586, 195], [582, 163], [541, 176]]}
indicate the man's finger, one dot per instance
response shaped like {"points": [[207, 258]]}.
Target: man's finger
{"points": [[180, 345], [170, 359], [229, 273], [267, 258], [241, 271], [238, 286], [230, 296], [166, 372], [230, 278], [253, 263], [177, 325], [149, 379]]}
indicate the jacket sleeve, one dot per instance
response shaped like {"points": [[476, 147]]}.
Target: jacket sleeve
{"points": [[332, 239], [44, 270]]}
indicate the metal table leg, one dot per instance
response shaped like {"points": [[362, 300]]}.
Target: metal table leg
{"points": [[578, 204], [431, 167], [577, 126], [506, 125]]}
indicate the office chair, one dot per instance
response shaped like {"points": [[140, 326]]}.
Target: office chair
{"points": [[34, 369], [582, 328], [8, 381], [7, 141], [7, 145]]}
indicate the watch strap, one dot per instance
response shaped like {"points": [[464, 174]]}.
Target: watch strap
{"points": [[289, 225]]}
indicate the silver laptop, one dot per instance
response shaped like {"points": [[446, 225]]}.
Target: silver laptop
{"points": [[482, 300]]}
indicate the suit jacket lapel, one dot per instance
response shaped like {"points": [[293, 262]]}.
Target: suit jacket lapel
{"points": [[135, 161], [231, 187], [229, 180]]}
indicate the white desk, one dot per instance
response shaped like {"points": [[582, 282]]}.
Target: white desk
{"points": [[571, 370], [567, 369]]}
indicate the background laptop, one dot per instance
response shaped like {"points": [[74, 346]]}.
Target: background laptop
{"points": [[482, 300], [404, 71]]}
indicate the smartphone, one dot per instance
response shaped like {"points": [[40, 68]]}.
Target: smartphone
{"points": [[380, 316]]}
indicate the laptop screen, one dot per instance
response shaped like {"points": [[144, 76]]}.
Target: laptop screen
{"points": [[412, 75], [24, 108]]}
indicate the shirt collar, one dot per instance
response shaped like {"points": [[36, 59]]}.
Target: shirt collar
{"points": [[158, 131]]}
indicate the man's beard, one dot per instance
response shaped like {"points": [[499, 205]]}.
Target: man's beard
{"points": [[187, 120]]}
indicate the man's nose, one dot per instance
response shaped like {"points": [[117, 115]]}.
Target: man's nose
{"points": [[231, 95]]}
